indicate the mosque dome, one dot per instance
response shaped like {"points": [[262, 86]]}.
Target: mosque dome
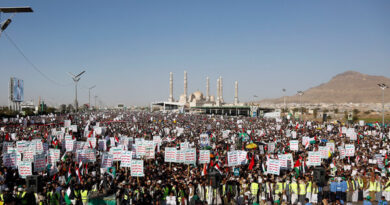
{"points": [[198, 95]]}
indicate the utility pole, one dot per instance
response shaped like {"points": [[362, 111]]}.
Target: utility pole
{"points": [[89, 96], [383, 87], [300, 93]]}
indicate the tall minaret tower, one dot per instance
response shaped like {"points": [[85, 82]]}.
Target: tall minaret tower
{"points": [[236, 93], [221, 90], [185, 85], [170, 87], [218, 90], [207, 89]]}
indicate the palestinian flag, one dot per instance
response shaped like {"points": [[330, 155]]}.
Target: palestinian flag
{"points": [[7, 137], [204, 170], [66, 197], [252, 163], [307, 144], [69, 176], [297, 166], [64, 157], [386, 161], [116, 139]]}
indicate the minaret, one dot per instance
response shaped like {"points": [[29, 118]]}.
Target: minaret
{"points": [[207, 89], [170, 87], [221, 90], [218, 89], [236, 93], [185, 85]]}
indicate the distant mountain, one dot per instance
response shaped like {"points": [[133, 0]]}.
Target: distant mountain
{"points": [[346, 87]]}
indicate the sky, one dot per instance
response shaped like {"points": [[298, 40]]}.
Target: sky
{"points": [[128, 48]]}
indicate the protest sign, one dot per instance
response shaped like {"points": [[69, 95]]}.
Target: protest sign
{"points": [[331, 146], [69, 145], [24, 169], [149, 149], [273, 166], [116, 153], [241, 155], [204, 140], [126, 158], [140, 150], [170, 154], [137, 168], [180, 156], [314, 159], [107, 160], [349, 150], [102, 145], [294, 145], [324, 152], [39, 162], [232, 158], [157, 140], [28, 154], [204, 156], [190, 156], [271, 147], [342, 152], [10, 160]]}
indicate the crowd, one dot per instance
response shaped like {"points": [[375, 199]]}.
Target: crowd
{"points": [[343, 176]]}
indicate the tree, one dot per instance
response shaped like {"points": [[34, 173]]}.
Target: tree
{"points": [[70, 108], [315, 112], [325, 110], [62, 108], [336, 110]]}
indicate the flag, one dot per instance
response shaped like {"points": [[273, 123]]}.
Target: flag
{"points": [[297, 166], [116, 139], [204, 171], [252, 163], [66, 197], [307, 145], [90, 133], [64, 157], [216, 166], [78, 174], [69, 176], [90, 144], [7, 137], [386, 161]]}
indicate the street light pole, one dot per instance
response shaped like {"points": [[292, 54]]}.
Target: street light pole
{"points": [[95, 100], [383, 87], [89, 95], [284, 99], [76, 79], [300, 93]]}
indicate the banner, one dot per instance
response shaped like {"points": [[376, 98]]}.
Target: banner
{"points": [[294, 145], [24, 169], [180, 156], [273, 166], [241, 157], [190, 156], [107, 160], [140, 150], [116, 153], [126, 158], [149, 149], [204, 140], [314, 159], [54, 156], [10, 161], [28, 154], [232, 158], [170, 154], [204, 156], [349, 150], [271, 147], [324, 152], [39, 163], [331, 146], [137, 168], [69, 145]]}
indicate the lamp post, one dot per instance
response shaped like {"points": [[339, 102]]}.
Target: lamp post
{"points": [[95, 101], [300, 93], [383, 87], [13, 10], [89, 96], [284, 99], [76, 79]]}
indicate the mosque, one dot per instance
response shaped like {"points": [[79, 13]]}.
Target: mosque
{"points": [[208, 104]]}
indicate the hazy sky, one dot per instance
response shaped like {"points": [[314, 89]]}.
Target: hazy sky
{"points": [[128, 47]]}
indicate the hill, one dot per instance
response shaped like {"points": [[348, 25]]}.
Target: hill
{"points": [[347, 87]]}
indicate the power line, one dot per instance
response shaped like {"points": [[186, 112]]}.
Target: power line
{"points": [[31, 63]]}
